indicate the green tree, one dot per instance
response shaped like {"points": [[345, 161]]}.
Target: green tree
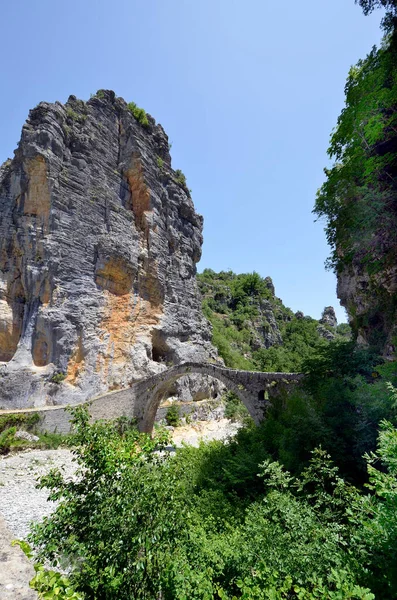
{"points": [[390, 19]]}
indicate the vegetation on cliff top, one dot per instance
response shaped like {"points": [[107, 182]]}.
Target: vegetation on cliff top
{"points": [[139, 114], [359, 196], [251, 327]]}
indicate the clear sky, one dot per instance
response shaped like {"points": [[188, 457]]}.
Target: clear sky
{"points": [[247, 90]]}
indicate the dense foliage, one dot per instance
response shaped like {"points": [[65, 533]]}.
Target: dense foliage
{"points": [[358, 199], [251, 327], [228, 521]]}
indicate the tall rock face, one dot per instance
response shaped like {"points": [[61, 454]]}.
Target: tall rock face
{"points": [[98, 245], [371, 302]]}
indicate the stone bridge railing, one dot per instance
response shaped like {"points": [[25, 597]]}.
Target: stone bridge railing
{"points": [[142, 399]]}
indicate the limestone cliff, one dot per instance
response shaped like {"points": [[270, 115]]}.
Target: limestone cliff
{"points": [[98, 245], [371, 302]]}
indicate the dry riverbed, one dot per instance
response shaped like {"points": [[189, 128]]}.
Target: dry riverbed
{"points": [[21, 502]]}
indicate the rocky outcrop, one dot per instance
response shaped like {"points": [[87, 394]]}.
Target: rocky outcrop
{"points": [[327, 324], [371, 302], [328, 317], [266, 332], [98, 245]]}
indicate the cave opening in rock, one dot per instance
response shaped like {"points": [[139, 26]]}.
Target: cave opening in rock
{"points": [[11, 320], [160, 350]]}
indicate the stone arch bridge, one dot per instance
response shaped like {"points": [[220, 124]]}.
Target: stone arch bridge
{"points": [[254, 388], [142, 399]]}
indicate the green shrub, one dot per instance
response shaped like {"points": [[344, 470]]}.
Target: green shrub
{"points": [[173, 416], [9, 425], [74, 116], [27, 420], [50, 585], [6, 439], [160, 162], [99, 94], [58, 377], [235, 410], [138, 113], [180, 178]]}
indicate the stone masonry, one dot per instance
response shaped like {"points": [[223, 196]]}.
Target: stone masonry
{"points": [[142, 399]]}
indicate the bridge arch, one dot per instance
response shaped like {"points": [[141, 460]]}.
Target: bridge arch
{"points": [[159, 392], [253, 388]]}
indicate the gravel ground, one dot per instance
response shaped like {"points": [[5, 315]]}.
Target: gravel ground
{"points": [[15, 569], [205, 430], [21, 502]]}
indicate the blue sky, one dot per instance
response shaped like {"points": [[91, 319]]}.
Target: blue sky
{"points": [[247, 90]]}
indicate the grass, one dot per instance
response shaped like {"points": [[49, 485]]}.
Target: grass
{"points": [[9, 424], [74, 116], [47, 441], [139, 114]]}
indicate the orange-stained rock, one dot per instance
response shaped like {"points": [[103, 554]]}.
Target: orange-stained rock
{"points": [[37, 196], [98, 252], [76, 363]]}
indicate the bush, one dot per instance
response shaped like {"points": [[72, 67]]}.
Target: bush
{"points": [[138, 113], [235, 410], [27, 420], [99, 94], [50, 585], [180, 178], [58, 377], [173, 416], [74, 116], [137, 524], [6, 439]]}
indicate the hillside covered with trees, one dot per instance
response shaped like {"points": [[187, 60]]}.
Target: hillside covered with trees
{"points": [[253, 330]]}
